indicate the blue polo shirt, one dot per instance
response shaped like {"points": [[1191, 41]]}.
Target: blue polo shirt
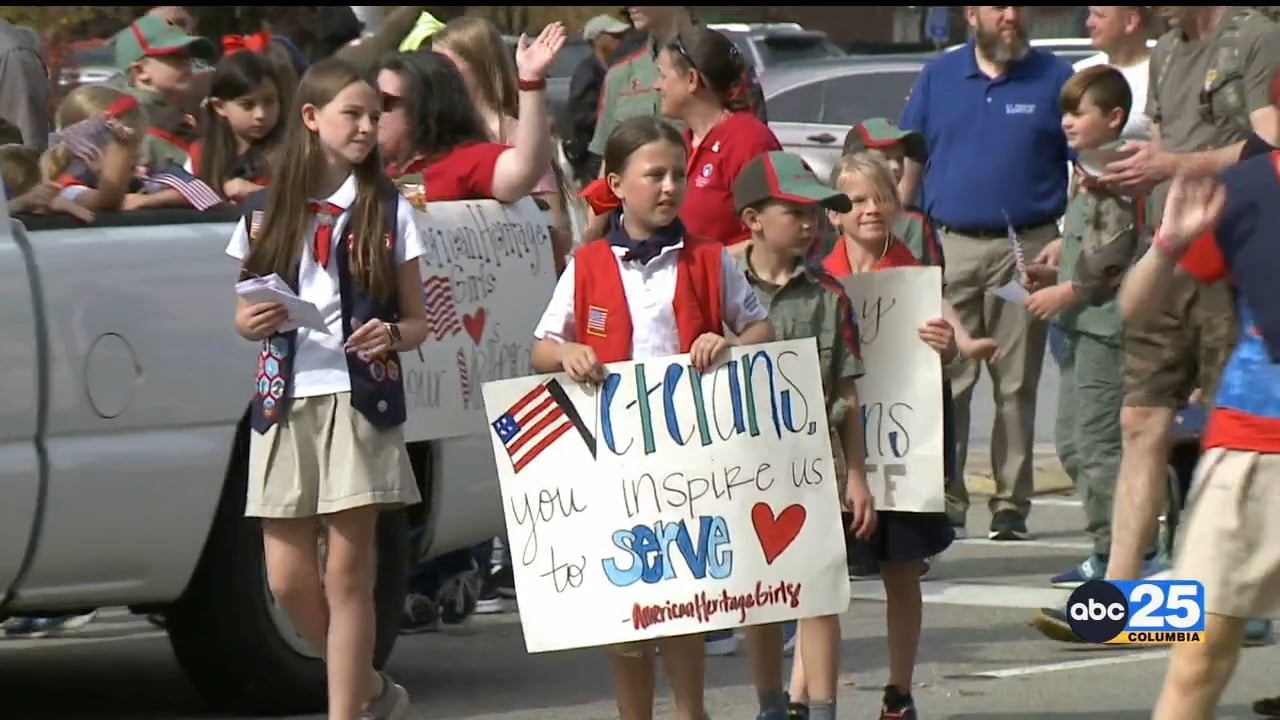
{"points": [[995, 144]]}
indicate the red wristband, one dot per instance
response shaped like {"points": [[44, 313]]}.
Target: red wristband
{"points": [[1162, 246], [531, 85]]}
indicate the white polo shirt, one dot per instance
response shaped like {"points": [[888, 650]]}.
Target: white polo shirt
{"points": [[319, 362], [651, 291]]}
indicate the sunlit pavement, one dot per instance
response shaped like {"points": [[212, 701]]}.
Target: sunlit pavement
{"points": [[979, 658]]}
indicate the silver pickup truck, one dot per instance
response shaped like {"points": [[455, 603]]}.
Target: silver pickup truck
{"points": [[123, 439]]}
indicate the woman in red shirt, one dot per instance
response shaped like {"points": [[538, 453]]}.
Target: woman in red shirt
{"points": [[701, 79], [430, 126]]}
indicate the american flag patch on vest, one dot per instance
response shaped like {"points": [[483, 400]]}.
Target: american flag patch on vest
{"points": [[596, 317]]}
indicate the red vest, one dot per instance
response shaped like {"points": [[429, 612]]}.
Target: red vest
{"points": [[602, 320]]}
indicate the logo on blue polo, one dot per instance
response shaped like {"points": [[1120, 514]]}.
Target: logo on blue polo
{"points": [[1138, 612], [1019, 108]]}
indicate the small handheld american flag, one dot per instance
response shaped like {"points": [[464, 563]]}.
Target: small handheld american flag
{"points": [[1019, 260], [192, 188]]}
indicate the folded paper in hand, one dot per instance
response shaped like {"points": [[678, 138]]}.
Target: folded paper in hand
{"points": [[273, 289], [1012, 291]]}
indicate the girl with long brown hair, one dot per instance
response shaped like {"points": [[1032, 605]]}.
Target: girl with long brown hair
{"points": [[329, 402]]}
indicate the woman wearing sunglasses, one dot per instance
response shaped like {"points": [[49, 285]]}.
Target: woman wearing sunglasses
{"points": [[702, 81], [430, 127]]}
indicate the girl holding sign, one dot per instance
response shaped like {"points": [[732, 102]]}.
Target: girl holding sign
{"points": [[645, 290], [903, 541]]}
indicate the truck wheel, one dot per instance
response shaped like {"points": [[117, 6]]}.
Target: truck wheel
{"points": [[235, 646]]}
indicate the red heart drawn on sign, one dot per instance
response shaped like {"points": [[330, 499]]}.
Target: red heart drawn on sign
{"points": [[776, 533], [474, 323]]}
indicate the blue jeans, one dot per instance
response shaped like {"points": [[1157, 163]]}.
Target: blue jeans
{"points": [[1057, 344]]}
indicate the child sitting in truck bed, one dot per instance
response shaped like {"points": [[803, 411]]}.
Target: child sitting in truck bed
{"points": [[95, 155], [26, 191]]}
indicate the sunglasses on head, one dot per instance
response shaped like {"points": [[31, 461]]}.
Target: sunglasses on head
{"points": [[391, 102], [677, 44]]}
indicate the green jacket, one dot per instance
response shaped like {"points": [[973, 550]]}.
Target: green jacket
{"points": [[171, 132], [1099, 244]]}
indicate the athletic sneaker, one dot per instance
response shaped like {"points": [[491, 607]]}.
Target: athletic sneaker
{"points": [[39, 627], [497, 592], [1008, 525], [897, 706]]}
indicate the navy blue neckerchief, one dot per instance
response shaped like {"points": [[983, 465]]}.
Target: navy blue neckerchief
{"points": [[646, 249], [1245, 236]]}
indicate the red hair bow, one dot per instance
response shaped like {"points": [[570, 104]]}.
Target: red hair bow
{"points": [[256, 42], [600, 197]]}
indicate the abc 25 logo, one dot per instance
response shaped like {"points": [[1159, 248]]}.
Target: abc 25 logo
{"points": [[1138, 611]]}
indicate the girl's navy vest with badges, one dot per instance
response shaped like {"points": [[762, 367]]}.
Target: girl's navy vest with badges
{"points": [[377, 386]]}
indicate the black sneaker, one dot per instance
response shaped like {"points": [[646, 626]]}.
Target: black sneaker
{"points": [[504, 581], [1008, 525], [495, 597], [1267, 707], [797, 711], [897, 705]]}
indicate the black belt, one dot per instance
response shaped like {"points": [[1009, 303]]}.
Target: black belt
{"points": [[986, 233]]}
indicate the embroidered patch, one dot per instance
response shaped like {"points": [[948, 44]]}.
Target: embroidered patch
{"points": [[255, 223], [416, 195], [596, 317]]}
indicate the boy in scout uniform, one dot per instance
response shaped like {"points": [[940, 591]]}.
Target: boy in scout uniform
{"points": [[896, 145], [1100, 237], [156, 60], [804, 301]]}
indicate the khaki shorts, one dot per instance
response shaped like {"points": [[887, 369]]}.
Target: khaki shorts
{"points": [[1171, 354], [324, 457], [1230, 540]]}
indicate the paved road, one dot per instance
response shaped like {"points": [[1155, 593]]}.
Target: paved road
{"points": [[979, 658]]}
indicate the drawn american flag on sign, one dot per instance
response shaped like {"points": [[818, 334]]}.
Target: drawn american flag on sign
{"points": [[596, 317], [442, 312], [538, 420]]}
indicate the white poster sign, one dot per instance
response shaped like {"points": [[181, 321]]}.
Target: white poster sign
{"points": [[665, 502], [901, 394], [487, 274]]}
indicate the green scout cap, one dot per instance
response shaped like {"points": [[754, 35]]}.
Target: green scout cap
{"points": [[881, 132], [784, 176], [154, 37]]}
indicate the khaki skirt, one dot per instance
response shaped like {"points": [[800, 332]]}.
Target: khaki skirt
{"points": [[324, 457]]}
